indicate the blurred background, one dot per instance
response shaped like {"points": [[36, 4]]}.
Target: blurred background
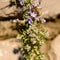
{"points": [[50, 11]]}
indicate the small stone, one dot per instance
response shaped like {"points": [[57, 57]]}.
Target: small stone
{"points": [[15, 51]]}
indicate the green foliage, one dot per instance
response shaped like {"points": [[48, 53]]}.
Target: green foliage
{"points": [[32, 38], [30, 34]]}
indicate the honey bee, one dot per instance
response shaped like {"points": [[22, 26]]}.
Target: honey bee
{"points": [[35, 9]]}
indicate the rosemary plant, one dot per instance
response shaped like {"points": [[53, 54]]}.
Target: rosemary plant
{"points": [[31, 35]]}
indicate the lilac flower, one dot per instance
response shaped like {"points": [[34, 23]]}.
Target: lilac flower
{"points": [[29, 20], [22, 2], [32, 6], [33, 14]]}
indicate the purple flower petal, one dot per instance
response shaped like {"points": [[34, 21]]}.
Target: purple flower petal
{"points": [[32, 6], [22, 2], [33, 14], [29, 20]]}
